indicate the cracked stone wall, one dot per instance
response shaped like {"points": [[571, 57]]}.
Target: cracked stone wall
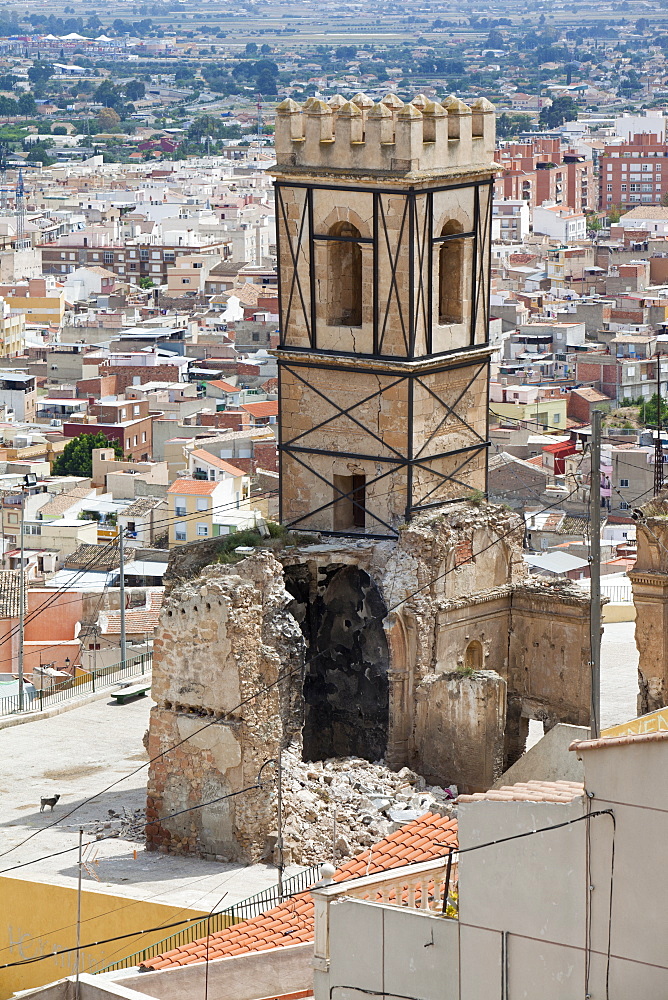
{"points": [[649, 579], [431, 651], [222, 637]]}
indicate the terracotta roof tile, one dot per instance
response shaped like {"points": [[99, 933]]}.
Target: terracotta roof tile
{"points": [[265, 408], [292, 920], [194, 486], [618, 741], [219, 463], [529, 791]]}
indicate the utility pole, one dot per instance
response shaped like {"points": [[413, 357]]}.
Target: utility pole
{"points": [[22, 601], [78, 951], [279, 842], [595, 573], [122, 596], [658, 447]]}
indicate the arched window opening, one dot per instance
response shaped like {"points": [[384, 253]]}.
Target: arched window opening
{"points": [[451, 276], [473, 656], [345, 276]]}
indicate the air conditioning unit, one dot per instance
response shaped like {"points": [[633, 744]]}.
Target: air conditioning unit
{"points": [[55, 422]]}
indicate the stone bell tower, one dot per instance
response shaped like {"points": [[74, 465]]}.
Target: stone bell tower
{"points": [[384, 225]]}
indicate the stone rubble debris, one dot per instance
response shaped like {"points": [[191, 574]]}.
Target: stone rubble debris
{"points": [[335, 809]]}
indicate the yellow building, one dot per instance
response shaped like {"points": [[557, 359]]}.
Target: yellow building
{"points": [[12, 327], [550, 414], [40, 300], [200, 508]]}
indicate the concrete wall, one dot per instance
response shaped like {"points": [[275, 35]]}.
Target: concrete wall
{"points": [[391, 950], [649, 579], [244, 977], [534, 889], [549, 759]]}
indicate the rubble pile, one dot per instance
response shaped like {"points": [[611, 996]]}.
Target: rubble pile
{"points": [[334, 809]]}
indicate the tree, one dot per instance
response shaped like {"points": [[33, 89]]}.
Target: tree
{"points": [[135, 90], [40, 72], [146, 282], [77, 455], [593, 222], [26, 104], [614, 213], [563, 109], [107, 119]]}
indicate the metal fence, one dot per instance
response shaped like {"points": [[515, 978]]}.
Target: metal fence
{"points": [[617, 594], [244, 910], [37, 700]]}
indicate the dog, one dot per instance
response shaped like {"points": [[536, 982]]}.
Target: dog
{"points": [[44, 802]]}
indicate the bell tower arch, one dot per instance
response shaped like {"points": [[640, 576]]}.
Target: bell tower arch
{"points": [[383, 229]]}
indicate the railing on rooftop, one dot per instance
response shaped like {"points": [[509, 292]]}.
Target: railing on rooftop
{"points": [[419, 887], [39, 699], [218, 921]]}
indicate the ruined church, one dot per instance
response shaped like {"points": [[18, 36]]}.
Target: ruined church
{"points": [[395, 622]]}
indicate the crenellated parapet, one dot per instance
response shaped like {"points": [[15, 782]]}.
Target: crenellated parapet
{"points": [[422, 135]]}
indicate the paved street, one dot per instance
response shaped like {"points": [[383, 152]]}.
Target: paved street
{"points": [[77, 754]]}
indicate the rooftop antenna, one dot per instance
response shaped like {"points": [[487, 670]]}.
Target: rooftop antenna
{"points": [[20, 212], [3, 180], [260, 123]]}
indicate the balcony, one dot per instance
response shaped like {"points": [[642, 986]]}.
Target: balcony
{"points": [[386, 935], [418, 888]]}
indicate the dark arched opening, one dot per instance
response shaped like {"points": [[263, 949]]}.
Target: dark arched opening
{"points": [[346, 692], [451, 276], [345, 276]]}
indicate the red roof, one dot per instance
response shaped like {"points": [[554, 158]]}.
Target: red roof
{"points": [[195, 486], [222, 384], [292, 921], [219, 463], [267, 408]]}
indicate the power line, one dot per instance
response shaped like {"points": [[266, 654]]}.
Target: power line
{"points": [[265, 689], [464, 850]]}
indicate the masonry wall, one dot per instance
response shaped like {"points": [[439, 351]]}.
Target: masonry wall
{"points": [[221, 639], [649, 579]]}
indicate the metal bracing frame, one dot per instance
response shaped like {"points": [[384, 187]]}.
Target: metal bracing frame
{"points": [[416, 455], [409, 308], [415, 237]]}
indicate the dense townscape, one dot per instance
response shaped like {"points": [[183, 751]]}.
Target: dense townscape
{"points": [[333, 444]]}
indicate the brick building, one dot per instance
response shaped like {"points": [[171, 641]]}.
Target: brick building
{"points": [[633, 173], [540, 170], [128, 261], [123, 420]]}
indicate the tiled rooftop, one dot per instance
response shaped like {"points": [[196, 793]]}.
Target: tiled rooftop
{"points": [[529, 791], [198, 487], [292, 921], [618, 741], [219, 463], [137, 620], [265, 408]]}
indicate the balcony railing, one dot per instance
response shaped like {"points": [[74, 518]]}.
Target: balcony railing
{"points": [[418, 887]]}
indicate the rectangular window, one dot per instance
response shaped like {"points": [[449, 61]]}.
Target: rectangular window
{"points": [[202, 503], [202, 530], [143, 254], [623, 483], [143, 437], [180, 507], [609, 187], [169, 256], [108, 257], [136, 410], [180, 531], [156, 255]]}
